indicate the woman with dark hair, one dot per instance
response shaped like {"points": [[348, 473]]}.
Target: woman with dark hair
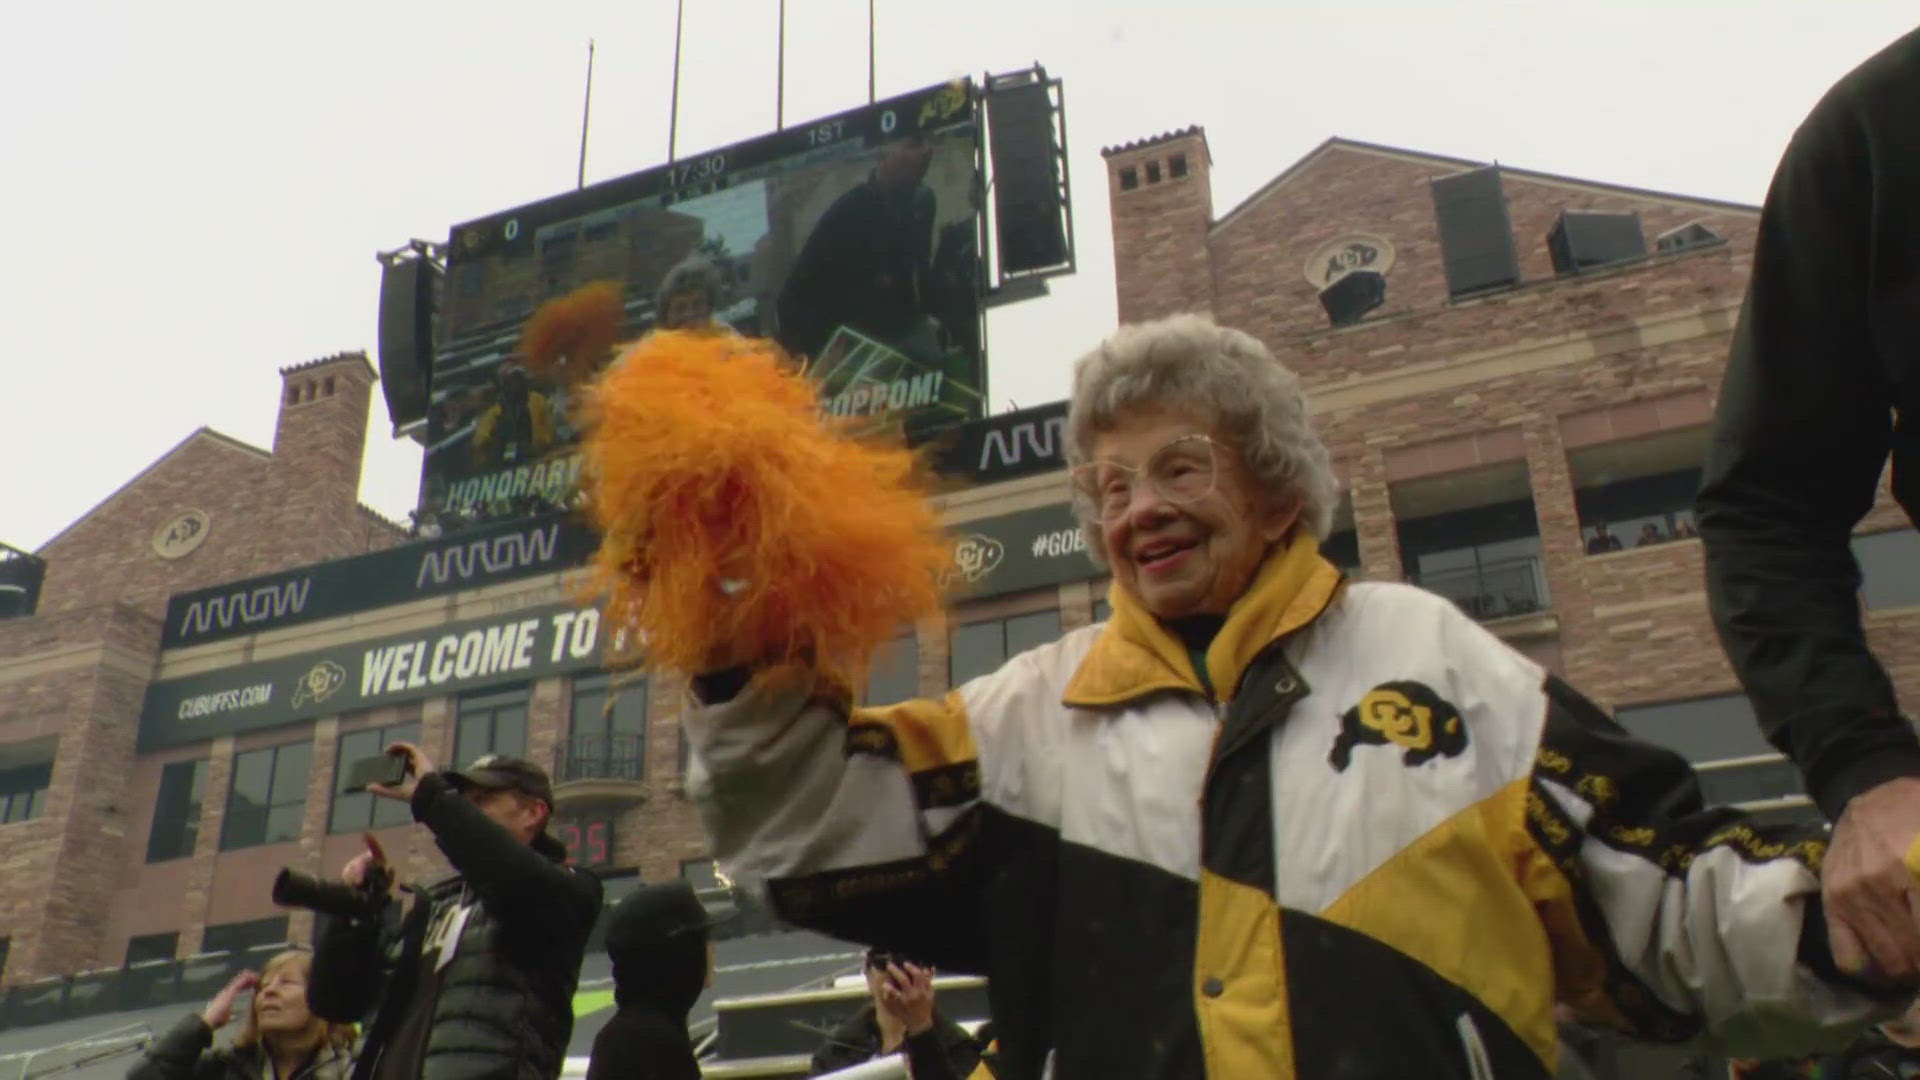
{"points": [[280, 1040]]}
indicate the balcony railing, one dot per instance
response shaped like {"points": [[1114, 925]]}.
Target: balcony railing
{"points": [[603, 757], [1492, 590]]}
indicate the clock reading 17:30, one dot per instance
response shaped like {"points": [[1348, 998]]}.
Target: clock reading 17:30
{"points": [[588, 840]]}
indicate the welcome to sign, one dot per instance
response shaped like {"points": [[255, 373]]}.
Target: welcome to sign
{"points": [[364, 675]]}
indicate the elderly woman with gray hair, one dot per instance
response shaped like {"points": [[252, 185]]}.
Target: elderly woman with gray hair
{"points": [[688, 296], [1264, 822]]}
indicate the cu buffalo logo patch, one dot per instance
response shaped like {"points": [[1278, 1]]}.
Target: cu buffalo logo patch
{"points": [[1404, 714]]}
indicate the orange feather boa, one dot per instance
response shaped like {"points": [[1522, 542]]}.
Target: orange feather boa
{"points": [[708, 460]]}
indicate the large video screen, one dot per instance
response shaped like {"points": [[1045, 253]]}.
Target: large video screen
{"points": [[853, 241]]}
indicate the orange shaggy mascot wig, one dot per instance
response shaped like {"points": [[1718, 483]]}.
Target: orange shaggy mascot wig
{"points": [[740, 524], [567, 340]]}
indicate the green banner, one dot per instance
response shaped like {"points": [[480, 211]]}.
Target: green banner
{"points": [[513, 647], [1020, 551]]}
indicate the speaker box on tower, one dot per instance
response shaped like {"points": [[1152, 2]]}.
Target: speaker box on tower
{"points": [[1350, 298], [1476, 234], [1581, 240], [1029, 202], [409, 291]]}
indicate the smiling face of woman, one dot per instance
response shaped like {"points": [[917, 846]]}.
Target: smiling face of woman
{"points": [[1181, 523]]}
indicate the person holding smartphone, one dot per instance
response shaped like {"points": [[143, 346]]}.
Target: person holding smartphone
{"points": [[476, 981], [900, 1017]]}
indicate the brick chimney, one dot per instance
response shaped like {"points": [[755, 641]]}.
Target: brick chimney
{"points": [[318, 446], [1161, 194]]}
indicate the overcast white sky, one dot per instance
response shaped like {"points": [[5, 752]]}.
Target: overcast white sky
{"points": [[196, 190]]}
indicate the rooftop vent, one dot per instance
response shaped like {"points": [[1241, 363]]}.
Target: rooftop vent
{"points": [[1691, 235]]}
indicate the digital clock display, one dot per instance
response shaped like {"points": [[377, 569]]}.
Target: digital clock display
{"points": [[588, 839]]}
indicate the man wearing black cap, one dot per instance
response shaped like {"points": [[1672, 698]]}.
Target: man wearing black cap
{"points": [[662, 960], [477, 980]]}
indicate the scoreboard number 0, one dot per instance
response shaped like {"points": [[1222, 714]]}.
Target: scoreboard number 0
{"points": [[512, 231], [888, 121]]}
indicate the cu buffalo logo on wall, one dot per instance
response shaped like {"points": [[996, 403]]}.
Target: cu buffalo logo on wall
{"points": [[1408, 715], [319, 684]]}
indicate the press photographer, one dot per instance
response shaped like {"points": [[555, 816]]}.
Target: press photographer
{"points": [[476, 979]]}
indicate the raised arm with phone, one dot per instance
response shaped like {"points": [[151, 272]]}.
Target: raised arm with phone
{"points": [[476, 979]]}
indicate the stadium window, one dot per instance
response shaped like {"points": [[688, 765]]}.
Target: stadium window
{"points": [[977, 648], [326, 389], [470, 280], [1177, 166], [6, 946], [241, 936], [1720, 736], [606, 730], [293, 395], [1472, 536], [896, 672], [268, 798], [359, 811], [1886, 562], [600, 230], [1153, 172], [1129, 178], [143, 948], [1102, 611], [26, 771], [176, 811], [1641, 490], [491, 722]]}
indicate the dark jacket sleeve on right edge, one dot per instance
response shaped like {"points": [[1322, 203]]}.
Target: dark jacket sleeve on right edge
{"points": [[1802, 433]]}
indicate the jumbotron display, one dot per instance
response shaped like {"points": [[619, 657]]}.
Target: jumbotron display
{"points": [[854, 241]]}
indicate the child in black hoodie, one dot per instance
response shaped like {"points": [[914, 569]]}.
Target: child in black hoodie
{"points": [[657, 939]]}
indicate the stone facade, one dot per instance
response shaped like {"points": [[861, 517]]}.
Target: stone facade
{"points": [[73, 675]]}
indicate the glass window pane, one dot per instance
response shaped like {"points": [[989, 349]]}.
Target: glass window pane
{"points": [[1889, 568], [896, 672], [630, 710], [350, 812], [37, 804], [199, 786], [388, 813], [353, 747], [292, 768], [1703, 729], [1750, 783], [510, 732], [245, 826], [975, 649], [589, 712], [1029, 631], [283, 823], [408, 732], [144, 947], [471, 738], [1102, 611], [253, 776]]}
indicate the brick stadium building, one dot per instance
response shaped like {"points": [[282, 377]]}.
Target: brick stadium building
{"points": [[214, 641]]}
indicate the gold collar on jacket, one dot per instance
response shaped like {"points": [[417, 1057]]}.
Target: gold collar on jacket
{"points": [[1136, 655]]}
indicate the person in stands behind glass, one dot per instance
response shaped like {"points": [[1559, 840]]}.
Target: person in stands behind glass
{"points": [[1825, 357], [477, 982], [281, 1039]]}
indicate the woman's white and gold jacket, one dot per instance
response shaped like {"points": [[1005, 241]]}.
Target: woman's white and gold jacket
{"points": [[1384, 848]]}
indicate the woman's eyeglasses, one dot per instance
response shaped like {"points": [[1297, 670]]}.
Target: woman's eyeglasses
{"points": [[1183, 471]]}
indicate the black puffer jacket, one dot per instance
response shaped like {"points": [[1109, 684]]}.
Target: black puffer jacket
{"points": [[942, 1052], [186, 1052], [504, 1005]]}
